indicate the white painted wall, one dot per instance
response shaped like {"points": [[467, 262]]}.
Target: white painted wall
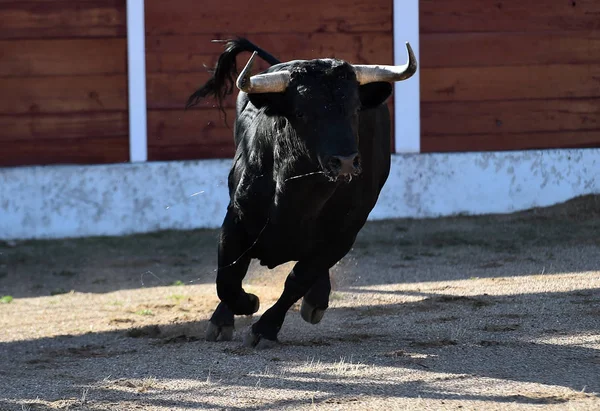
{"points": [[136, 77], [407, 99], [434, 185], [75, 201]]}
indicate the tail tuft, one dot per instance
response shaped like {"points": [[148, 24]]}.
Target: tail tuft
{"points": [[222, 82]]}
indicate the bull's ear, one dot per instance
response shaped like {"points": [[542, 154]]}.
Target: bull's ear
{"points": [[272, 101], [373, 94]]}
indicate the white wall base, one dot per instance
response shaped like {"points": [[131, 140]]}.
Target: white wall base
{"points": [[117, 199], [435, 185]]}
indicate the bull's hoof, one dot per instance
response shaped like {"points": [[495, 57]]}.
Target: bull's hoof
{"points": [[257, 341], [310, 313], [213, 332], [227, 333]]}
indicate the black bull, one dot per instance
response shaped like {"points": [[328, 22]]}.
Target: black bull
{"points": [[312, 144]]}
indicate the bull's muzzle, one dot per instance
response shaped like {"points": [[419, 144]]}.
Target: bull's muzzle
{"points": [[342, 166]]}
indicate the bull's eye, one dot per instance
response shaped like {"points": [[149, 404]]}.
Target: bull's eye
{"points": [[299, 114]]}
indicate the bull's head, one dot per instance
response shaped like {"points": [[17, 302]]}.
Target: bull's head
{"points": [[322, 99]]}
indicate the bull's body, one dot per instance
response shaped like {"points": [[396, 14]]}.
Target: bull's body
{"points": [[300, 218], [289, 201]]}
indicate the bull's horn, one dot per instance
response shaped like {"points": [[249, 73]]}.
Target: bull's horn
{"points": [[262, 83], [372, 73]]}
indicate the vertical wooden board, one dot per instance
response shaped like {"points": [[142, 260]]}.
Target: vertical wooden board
{"points": [[34, 19], [62, 57]]}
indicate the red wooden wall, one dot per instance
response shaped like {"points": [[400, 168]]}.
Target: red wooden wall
{"points": [[506, 75], [63, 82], [495, 75], [178, 46]]}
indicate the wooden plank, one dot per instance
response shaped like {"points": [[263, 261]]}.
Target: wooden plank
{"points": [[194, 127], [189, 135], [90, 150], [63, 94], [233, 17], [452, 16], [39, 127], [35, 19], [489, 117], [46, 1], [192, 152], [526, 48], [24, 58], [510, 83], [171, 91], [511, 141], [195, 52]]}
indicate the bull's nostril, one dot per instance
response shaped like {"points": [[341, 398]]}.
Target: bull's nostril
{"points": [[344, 165], [335, 163]]}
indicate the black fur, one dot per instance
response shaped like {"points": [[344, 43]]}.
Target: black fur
{"points": [[286, 201]]}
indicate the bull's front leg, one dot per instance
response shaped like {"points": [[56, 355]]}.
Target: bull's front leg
{"points": [[316, 300], [233, 262], [309, 278], [263, 334]]}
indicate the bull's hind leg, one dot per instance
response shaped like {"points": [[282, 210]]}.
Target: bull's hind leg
{"points": [[316, 301], [233, 263], [263, 333]]}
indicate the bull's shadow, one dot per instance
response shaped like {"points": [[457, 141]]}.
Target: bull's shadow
{"points": [[541, 338], [106, 264]]}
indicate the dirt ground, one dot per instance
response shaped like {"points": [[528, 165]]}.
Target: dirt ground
{"points": [[493, 312]]}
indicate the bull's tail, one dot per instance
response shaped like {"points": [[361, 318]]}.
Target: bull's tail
{"points": [[220, 85]]}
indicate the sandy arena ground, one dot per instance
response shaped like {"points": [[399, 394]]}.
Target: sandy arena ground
{"points": [[482, 313]]}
